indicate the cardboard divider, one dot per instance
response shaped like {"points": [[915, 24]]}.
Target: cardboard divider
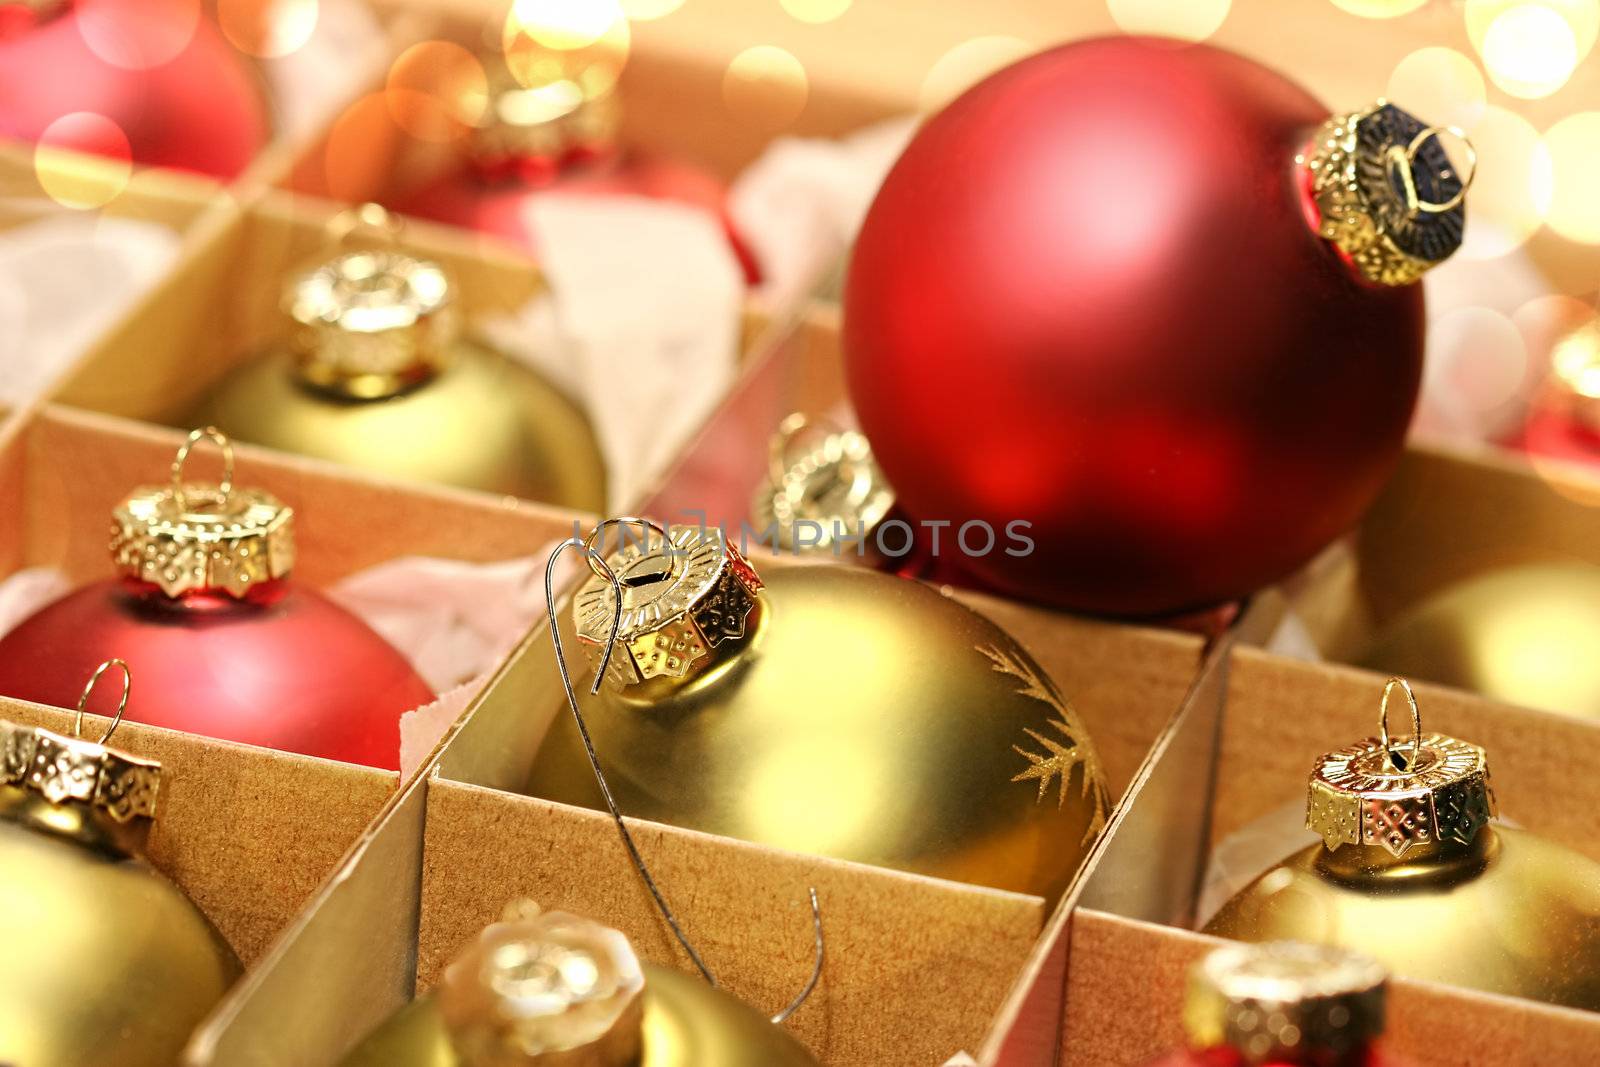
{"points": [[249, 834], [895, 943], [1447, 516], [1240, 760]]}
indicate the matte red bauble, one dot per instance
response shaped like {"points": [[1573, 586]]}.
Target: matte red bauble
{"points": [[558, 135], [222, 641], [1155, 301], [159, 71]]}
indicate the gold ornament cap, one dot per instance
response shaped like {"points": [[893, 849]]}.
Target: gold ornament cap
{"points": [[1411, 800], [823, 493], [371, 323], [185, 537], [545, 988], [545, 104], [1285, 1001], [72, 770], [1386, 192], [688, 598]]}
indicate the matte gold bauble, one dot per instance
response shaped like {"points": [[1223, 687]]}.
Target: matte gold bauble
{"points": [[1412, 871], [1526, 635], [554, 990], [832, 710], [106, 960], [377, 374]]}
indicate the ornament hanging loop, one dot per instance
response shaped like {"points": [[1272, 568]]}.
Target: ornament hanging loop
{"points": [[1416, 725], [598, 566], [789, 431], [122, 705], [1403, 159], [367, 219], [195, 437]]}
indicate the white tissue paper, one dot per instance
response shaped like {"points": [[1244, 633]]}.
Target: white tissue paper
{"points": [[64, 280], [640, 324], [344, 54], [799, 206]]}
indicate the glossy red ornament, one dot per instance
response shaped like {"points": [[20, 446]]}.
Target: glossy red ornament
{"points": [[1091, 296], [160, 71], [262, 662]]}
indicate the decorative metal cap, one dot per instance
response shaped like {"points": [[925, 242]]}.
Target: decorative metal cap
{"points": [[71, 770], [546, 108], [1285, 1002], [817, 495], [1430, 794], [371, 323], [688, 596], [536, 987], [185, 537], [1386, 192]]}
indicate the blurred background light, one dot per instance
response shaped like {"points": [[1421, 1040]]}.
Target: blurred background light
{"points": [[1573, 145], [1512, 187], [765, 86], [72, 180], [816, 10], [1440, 85], [436, 91], [967, 64], [1192, 20]]}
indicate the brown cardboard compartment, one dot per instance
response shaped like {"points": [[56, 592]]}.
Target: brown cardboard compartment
{"points": [[743, 905], [1127, 961], [62, 471], [1446, 516], [898, 943], [249, 834]]}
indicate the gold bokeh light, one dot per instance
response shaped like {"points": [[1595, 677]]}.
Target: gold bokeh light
{"points": [[765, 87], [1441, 85], [1191, 20], [1573, 145], [1512, 188], [967, 64], [437, 91], [1379, 9], [268, 29], [73, 179]]}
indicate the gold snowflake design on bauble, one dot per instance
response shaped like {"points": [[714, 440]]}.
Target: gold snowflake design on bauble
{"points": [[1058, 760]]}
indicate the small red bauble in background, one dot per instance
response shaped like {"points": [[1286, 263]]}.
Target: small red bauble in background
{"points": [[157, 69], [221, 642], [558, 136], [1564, 422], [1092, 296], [1284, 1004]]}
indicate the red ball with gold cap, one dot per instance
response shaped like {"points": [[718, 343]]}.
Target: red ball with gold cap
{"points": [[223, 642]]}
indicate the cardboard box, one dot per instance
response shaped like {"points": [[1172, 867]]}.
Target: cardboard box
{"points": [[1129, 942]]}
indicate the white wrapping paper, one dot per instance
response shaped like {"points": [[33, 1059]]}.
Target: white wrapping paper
{"points": [[799, 206], [640, 325], [64, 280]]}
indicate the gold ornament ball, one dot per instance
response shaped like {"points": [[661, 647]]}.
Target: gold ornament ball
{"points": [[106, 960], [835, 711], [1526, 635], [1412, 871], [377, 374]]}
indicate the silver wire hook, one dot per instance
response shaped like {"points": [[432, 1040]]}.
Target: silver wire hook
{"points": [[602, 568]]}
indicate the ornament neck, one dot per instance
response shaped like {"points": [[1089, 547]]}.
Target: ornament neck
{"points": [[82, 824], [207, 602], [1431, 865], [543, 120]]}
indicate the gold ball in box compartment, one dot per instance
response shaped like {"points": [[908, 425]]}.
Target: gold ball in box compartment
{"points": [[377, 374], [106, 960], [833, 710], [1412, 871]]}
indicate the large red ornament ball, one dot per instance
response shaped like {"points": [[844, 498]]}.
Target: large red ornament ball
{"points": [[158, 69], [1090, 296], [285, 669]]}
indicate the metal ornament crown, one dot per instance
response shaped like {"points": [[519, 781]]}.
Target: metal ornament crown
{"points": [[72, 770], [686, 592], [1358, 796]]}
